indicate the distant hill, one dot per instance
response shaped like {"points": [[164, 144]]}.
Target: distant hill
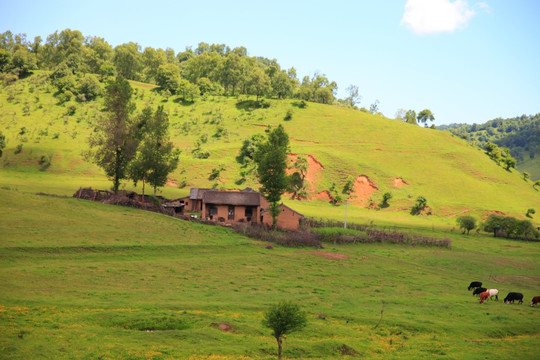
{"points": [[520, 134], [47, 136]]}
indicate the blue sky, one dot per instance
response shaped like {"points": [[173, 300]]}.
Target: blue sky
{"points": [[467, 61]]}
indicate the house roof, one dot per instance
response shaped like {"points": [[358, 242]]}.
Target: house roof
{"points": [[197, 194], [231, 198]]}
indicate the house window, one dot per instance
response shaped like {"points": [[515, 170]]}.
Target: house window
{"points": [[231, 212]]}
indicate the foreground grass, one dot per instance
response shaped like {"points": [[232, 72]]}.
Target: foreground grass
{"points": [[85, 280]]}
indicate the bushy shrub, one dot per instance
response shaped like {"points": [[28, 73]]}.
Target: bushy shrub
{"points": [[466, 223], [510, 227]]}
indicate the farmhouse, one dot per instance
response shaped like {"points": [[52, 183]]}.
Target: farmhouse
{"points": [[230, 207]]}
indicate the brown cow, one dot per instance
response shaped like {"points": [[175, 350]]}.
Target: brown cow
{"points": [[484, 296], [535, 300]]}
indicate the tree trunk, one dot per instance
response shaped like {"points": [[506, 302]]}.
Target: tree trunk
{"points": [[116, 183], [155, 189], [279, 347], [144, 203]]}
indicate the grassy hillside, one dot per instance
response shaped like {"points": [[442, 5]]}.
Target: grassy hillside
{"points": [[86, 280], [455, 177], [520, 134]]}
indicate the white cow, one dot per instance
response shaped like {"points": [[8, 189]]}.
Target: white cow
{"points": [[492, 293]]}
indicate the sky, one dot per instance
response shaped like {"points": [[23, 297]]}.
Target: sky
{"points": [[467, 61]]}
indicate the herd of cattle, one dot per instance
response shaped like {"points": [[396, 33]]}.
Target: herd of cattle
{"points": [[486, 294]]}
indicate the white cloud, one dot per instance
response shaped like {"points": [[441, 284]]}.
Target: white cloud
{"points": [[436, 16]]}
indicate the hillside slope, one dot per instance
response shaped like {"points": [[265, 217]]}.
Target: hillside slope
{"points": [[520, 134], [383, 155]]}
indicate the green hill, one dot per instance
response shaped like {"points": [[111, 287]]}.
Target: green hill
{"points": [[520, 134], [382, 154]]}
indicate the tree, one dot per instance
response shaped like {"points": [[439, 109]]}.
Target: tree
{"points": [[354, 98], [116, 138], [282, 84], [128, 60], [400, 113], [509, 162], [283, 319], [420, 204], [168, 77], [467, 223], [410, 117], [386, 197], [528, 214], [2, 143], [90, 87], [424, 116], [156, 157], [297, 178], [526, 176], [259, 82], [374, 108], [349, 186], [536, 183], [271, 161]]}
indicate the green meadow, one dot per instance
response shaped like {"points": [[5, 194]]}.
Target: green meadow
{"points": [[86, 280], [90, 281]]}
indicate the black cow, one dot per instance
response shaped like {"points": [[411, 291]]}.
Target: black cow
{"points": [[474, 284], [479, 290], [511, 297]]}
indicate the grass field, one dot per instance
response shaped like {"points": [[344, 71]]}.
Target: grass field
{"points": [[85, 280]]}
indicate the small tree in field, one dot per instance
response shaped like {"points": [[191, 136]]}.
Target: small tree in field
{"points": [[421, 203], [283, 319], [467, 223], [530, 212], [384, 203]]}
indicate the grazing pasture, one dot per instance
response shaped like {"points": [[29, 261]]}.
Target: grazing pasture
{"points": [[84, 280]]}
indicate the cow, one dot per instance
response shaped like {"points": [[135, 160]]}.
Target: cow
{"points": [[479, 290], [484, 296], [535, 300], [474, 284], [492, 293], [512, 296]]}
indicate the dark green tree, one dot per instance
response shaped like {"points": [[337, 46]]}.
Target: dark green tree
{"points": [[115, 141], [420, 204], [271, 162], [467, 223], [386, 197], [156, 157], [2, 143], [528, 214], [424, 116], [283, 319]]}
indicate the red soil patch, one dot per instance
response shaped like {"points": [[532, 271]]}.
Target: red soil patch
{"points": [[399, 182], [170, 182], [314, 171], [333, 256], [324, 196], [222, 326], [363, 188]]}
